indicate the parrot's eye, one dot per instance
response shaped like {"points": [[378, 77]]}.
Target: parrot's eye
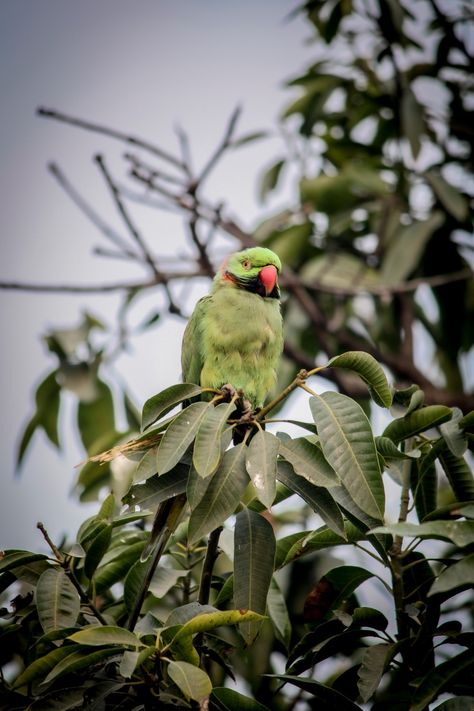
{"points": [[246, 264]]}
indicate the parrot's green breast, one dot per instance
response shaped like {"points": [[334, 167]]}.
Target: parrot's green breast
{"points": [[234, 336]]}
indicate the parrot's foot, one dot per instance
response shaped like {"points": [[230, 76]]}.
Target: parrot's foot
{"points": [[228, 392], [247, 411]]}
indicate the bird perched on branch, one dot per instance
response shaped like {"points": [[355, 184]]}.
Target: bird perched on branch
{"points": [[235, 336], [232, 342]]}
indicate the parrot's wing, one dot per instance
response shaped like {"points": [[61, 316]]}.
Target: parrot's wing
{"points": [[192, 350]]}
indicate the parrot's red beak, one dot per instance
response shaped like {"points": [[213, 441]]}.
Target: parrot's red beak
{"points": [[268, 277]]}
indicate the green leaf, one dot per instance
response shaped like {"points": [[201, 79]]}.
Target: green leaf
{"points": [[25, 439], [388, 449], [453, 434], [438, 678], [424, 485], [164, 579], [223, 699], [249, 138], [133, 583], [223, 494], [278, 613], [459, 475], [254, 552], [411, 114], [348, 445], [270, 178], [192, 681], [97, 549], [179, 435], [461, 533], [80, 658], [308, 461], [160, 404], [328, 698], [293, 547], [57, 600], [96, 418], [261, 463], [11, 559], [450, 198], [118, 566], [40, 668], [369, 370], [158, 488], [417, 421], [100, 635], [47, 407], [207, 447], [344, 580], [207, 621], [317, 497], [455, 576], [458, 703], [374, 662], [406, 249]]}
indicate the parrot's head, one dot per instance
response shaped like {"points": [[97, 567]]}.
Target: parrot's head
{"points": [[254, 269]]}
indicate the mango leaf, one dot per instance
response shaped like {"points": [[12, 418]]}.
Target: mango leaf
{"points": [[11, 559], [348, 445], [192, 681], [457, 703], [146, 467], [57, 600], [196, 487], [261, 463], [254, 552], [326, 696], [116, 568], [417, 421], [164, 579], [369, 370], [314, 541], [40, 668], [308, 461], [133, 583], [386, 447], [278, 613], [179, 435], [207, 621], [455, 576], [132, 660], [461, 533], [407, 247], [317, 497], [223, 494], [270, 178], [450, 198], [344, 580], [411, 114], [223, 699], [96, 418], [424, 485], [81, 657], [374, 662], [459, 474], [97, 549], [100, 635], [25, 439], [158, 488], [166, 400], [207, 447], [453, 434], [440, 677]]}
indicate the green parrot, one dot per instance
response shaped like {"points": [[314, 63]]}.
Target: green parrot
{"points": [[235, 334], [233, 340]]}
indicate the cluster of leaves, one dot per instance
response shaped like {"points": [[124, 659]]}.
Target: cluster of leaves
{"points": [[71, 639], [385, 186]]}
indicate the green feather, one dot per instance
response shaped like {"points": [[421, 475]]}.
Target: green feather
{"points": [[235, 335]]}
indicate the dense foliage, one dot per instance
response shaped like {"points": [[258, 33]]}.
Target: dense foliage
{"points": [[281, 548]]}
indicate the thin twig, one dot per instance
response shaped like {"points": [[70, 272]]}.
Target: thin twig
{"points": [[96, 288], [111, 133], [223, 145]]}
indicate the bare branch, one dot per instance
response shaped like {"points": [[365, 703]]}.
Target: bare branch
{"points": [[112, 133], [224, 144], [97, 288], [185, 150]]}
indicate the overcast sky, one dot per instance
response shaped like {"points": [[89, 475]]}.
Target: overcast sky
{"points": [[141, 66]]}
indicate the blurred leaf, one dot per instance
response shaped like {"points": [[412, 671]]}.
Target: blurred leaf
{"points": [[348, 445], [223, 494], [327, 697], [100, 635], [318, 497], [25, 440], [96, 550], [224, 699], [374, 662], [424, 485], [96, 418], [278, 613], [451, 199], [40, 668], [254, 552], [406, 249], [453, 434], [207, 447], [193, 682], [80, 657], [369, 370], [440, 677], [459, 475], [57, 600], [163, 402], [47, 407], [179, 435], [270, 179], [261, 464], [417, 421], [458, 575], [413, 125]]}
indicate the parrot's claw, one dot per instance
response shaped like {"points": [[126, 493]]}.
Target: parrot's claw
{"points": [[228, 392], [247, 412]]}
